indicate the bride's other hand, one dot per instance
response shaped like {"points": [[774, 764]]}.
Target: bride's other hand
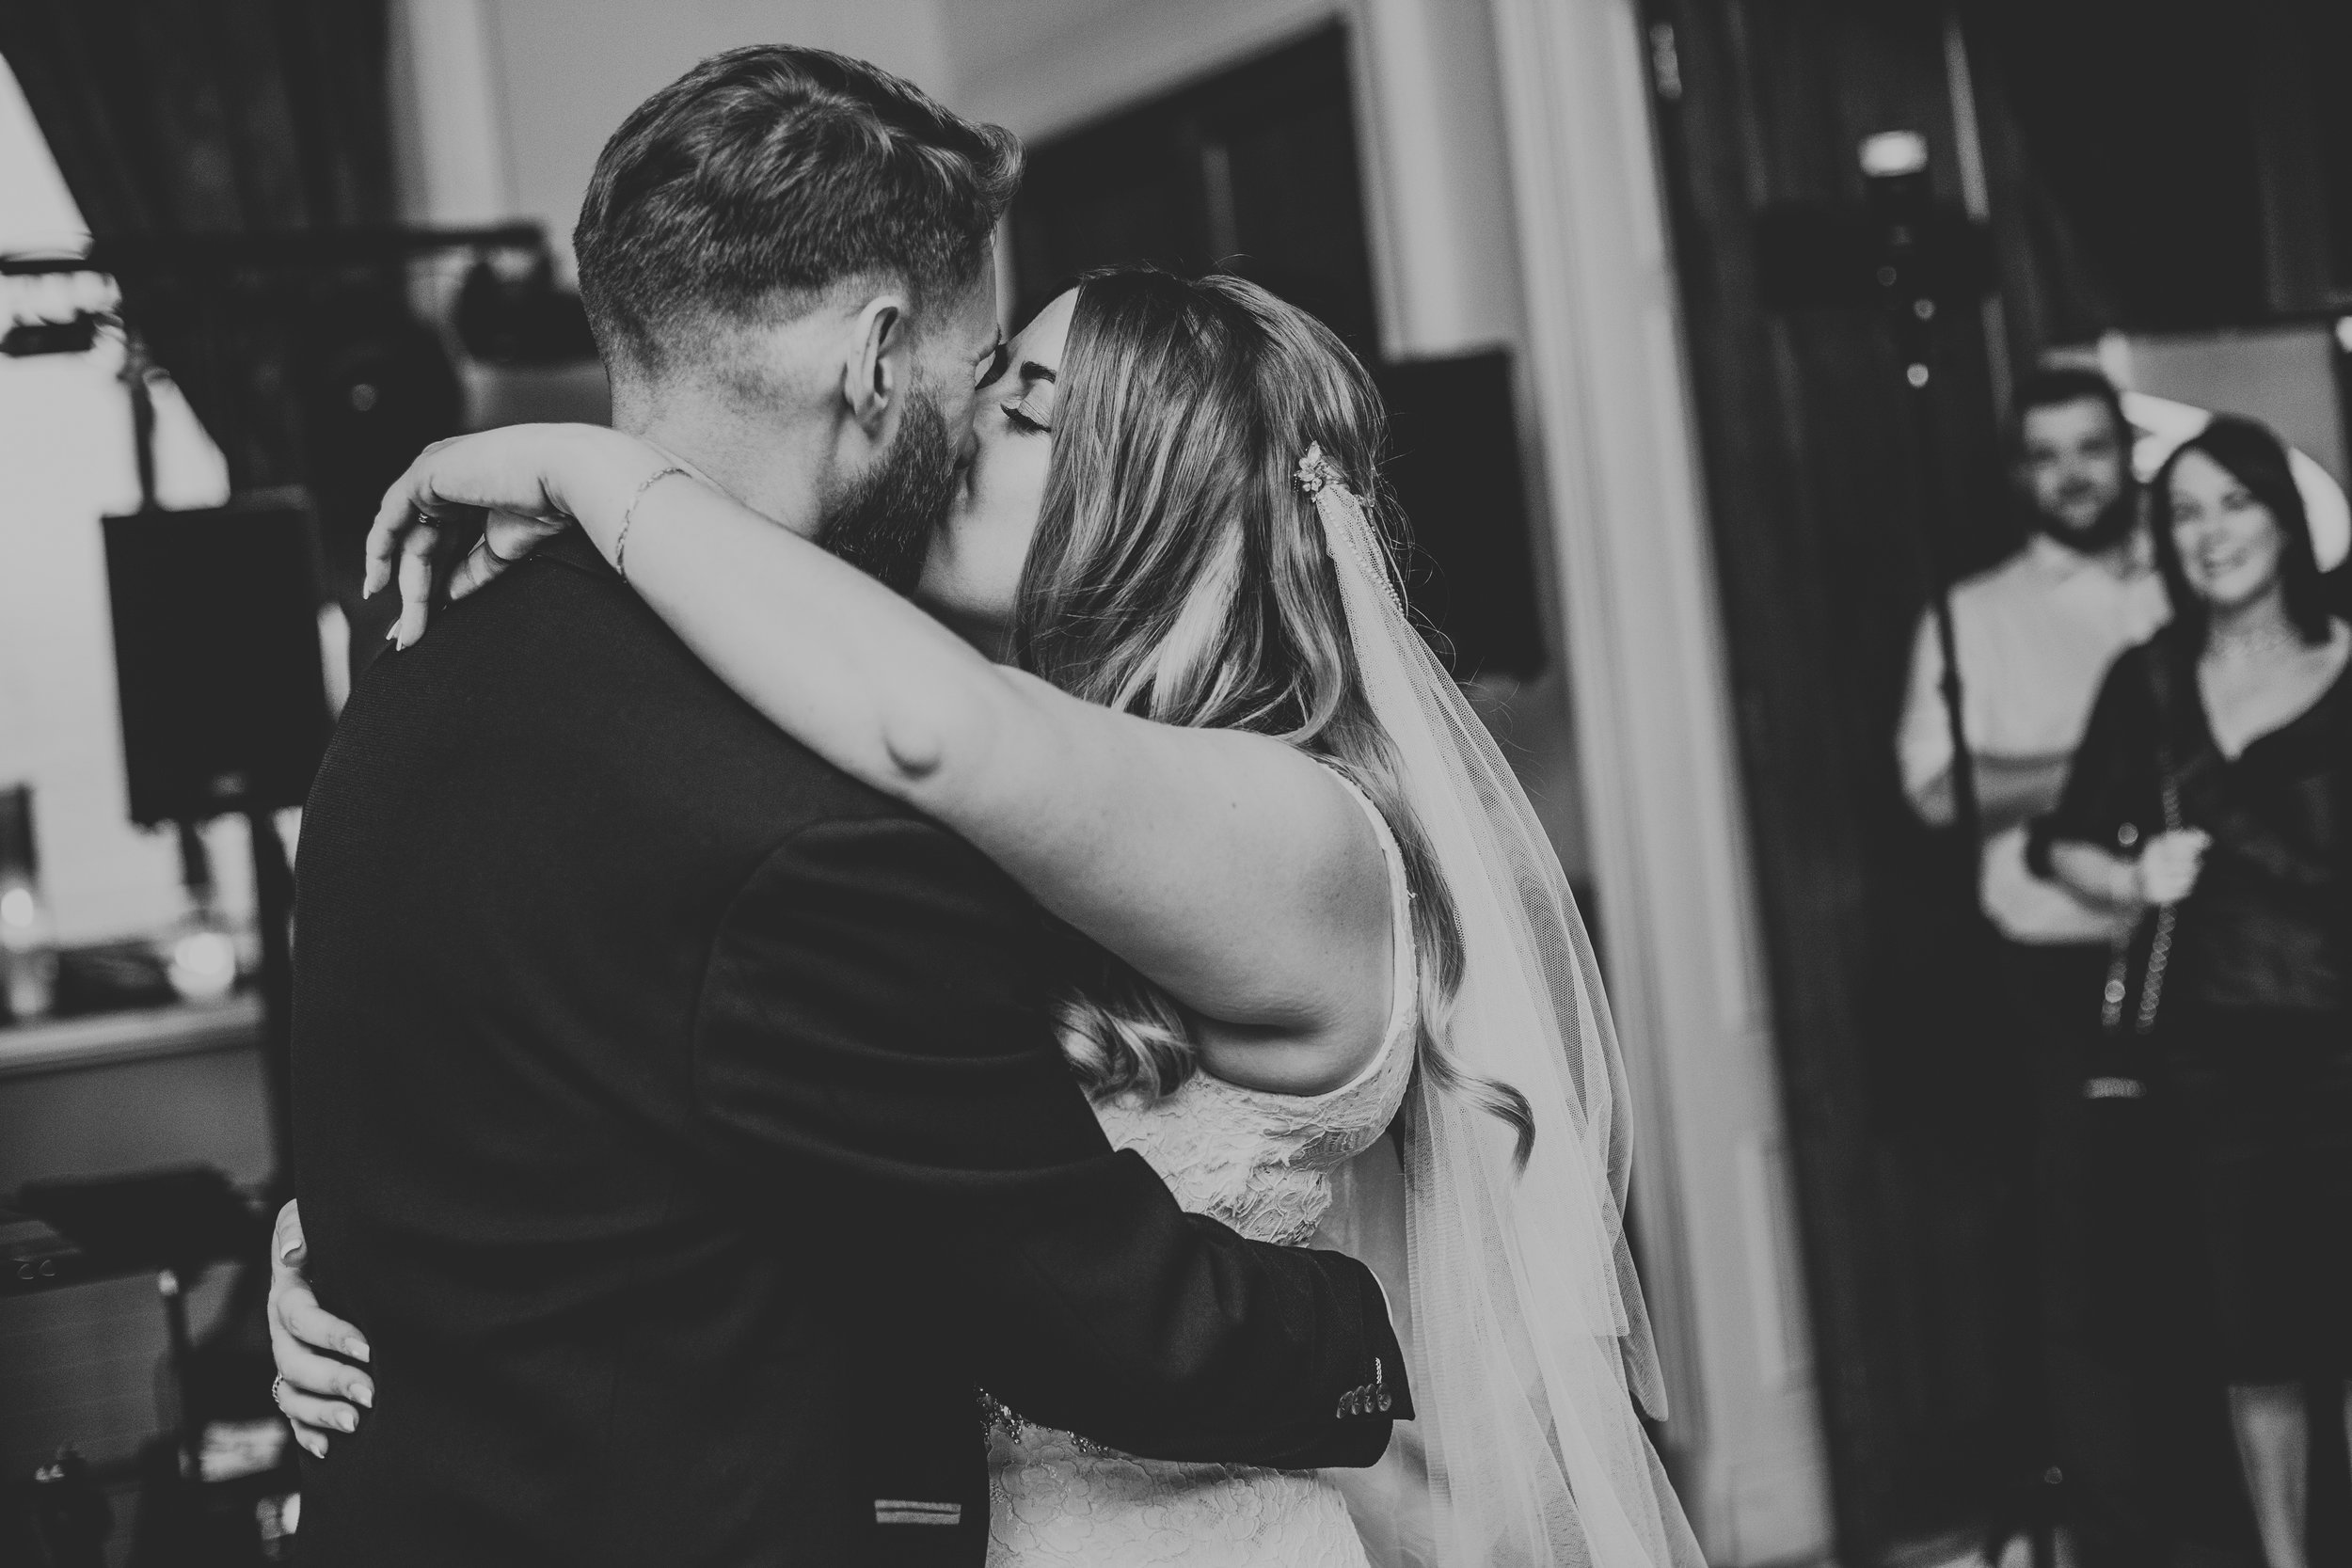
{"points": [[529, 480], [320, 1392]]}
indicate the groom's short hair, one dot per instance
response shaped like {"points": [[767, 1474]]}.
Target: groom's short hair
{"points": [[766, 175]]}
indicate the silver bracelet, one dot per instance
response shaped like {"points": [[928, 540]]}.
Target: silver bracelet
{"points": [[629, 518]]}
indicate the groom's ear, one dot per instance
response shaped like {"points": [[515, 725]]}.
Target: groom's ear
{"points": [[881, 361]]}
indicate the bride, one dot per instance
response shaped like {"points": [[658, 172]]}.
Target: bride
{"points": [[1330, 980]]}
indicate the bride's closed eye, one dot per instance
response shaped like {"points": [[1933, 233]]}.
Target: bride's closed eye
{"points": [[1027, 416], [1032, 412]]}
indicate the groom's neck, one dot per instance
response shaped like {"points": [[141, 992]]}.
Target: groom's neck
{"points": [[760, 464]]}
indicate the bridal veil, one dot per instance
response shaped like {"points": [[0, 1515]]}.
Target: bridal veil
{"points": [[1525, 1332]]}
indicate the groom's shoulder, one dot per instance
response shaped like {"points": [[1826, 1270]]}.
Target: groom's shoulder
{"points": [[559, 672], [652, 705]]}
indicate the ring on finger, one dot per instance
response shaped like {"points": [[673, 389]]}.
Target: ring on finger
{"points": [[278, 1392]]}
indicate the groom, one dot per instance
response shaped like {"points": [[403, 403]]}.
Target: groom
{"points": [[679, 1119]]}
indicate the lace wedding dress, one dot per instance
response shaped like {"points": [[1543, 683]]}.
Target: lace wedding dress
{"points": [[1263, 1164]]}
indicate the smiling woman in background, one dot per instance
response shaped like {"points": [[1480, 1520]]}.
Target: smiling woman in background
{"points": [[2219, 750]]}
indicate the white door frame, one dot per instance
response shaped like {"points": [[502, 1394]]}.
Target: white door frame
{"points": [[1647, 666]]}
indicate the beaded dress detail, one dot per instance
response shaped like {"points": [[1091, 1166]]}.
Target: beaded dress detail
{"points": [[1261, 1162]]}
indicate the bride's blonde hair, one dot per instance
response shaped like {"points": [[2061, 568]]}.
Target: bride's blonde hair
{"points": [[1178, 573]]}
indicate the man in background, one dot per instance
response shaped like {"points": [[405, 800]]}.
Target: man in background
{"points": [[2036, 635]]}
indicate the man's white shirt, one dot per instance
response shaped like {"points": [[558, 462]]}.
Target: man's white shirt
{"points": [[2035, 636]]}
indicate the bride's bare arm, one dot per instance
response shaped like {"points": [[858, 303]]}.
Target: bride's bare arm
{"points": [[1228, 868]]}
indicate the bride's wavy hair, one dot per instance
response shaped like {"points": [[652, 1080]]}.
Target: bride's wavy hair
{"points": [[1180, 573]]}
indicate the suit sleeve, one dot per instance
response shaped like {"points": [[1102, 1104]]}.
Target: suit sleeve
{"points": [[873, 1030]]}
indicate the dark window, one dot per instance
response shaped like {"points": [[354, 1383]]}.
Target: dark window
{"points": [[1252, 171]]}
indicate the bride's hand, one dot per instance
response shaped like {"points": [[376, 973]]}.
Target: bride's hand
{"points": [[530, 481], [319, 1391]]}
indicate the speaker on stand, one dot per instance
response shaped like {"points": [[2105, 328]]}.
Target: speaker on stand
{"points": [[224, 704]]}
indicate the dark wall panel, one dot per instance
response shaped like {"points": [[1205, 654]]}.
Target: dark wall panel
{"points": [[1901, 1128]]}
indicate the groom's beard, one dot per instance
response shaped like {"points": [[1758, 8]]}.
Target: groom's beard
{"points": [[884, 521]]}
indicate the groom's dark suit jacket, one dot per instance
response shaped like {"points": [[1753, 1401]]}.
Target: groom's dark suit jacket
{"points": [[680, 1120]]}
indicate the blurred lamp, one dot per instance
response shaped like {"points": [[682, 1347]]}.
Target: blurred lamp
{"points": [[203, 964]]}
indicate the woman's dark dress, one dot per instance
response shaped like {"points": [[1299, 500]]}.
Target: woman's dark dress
{"points": [[2254, 1004]]}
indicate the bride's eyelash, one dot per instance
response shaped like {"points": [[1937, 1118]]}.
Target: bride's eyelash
{"points": [[1017, 413]]}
